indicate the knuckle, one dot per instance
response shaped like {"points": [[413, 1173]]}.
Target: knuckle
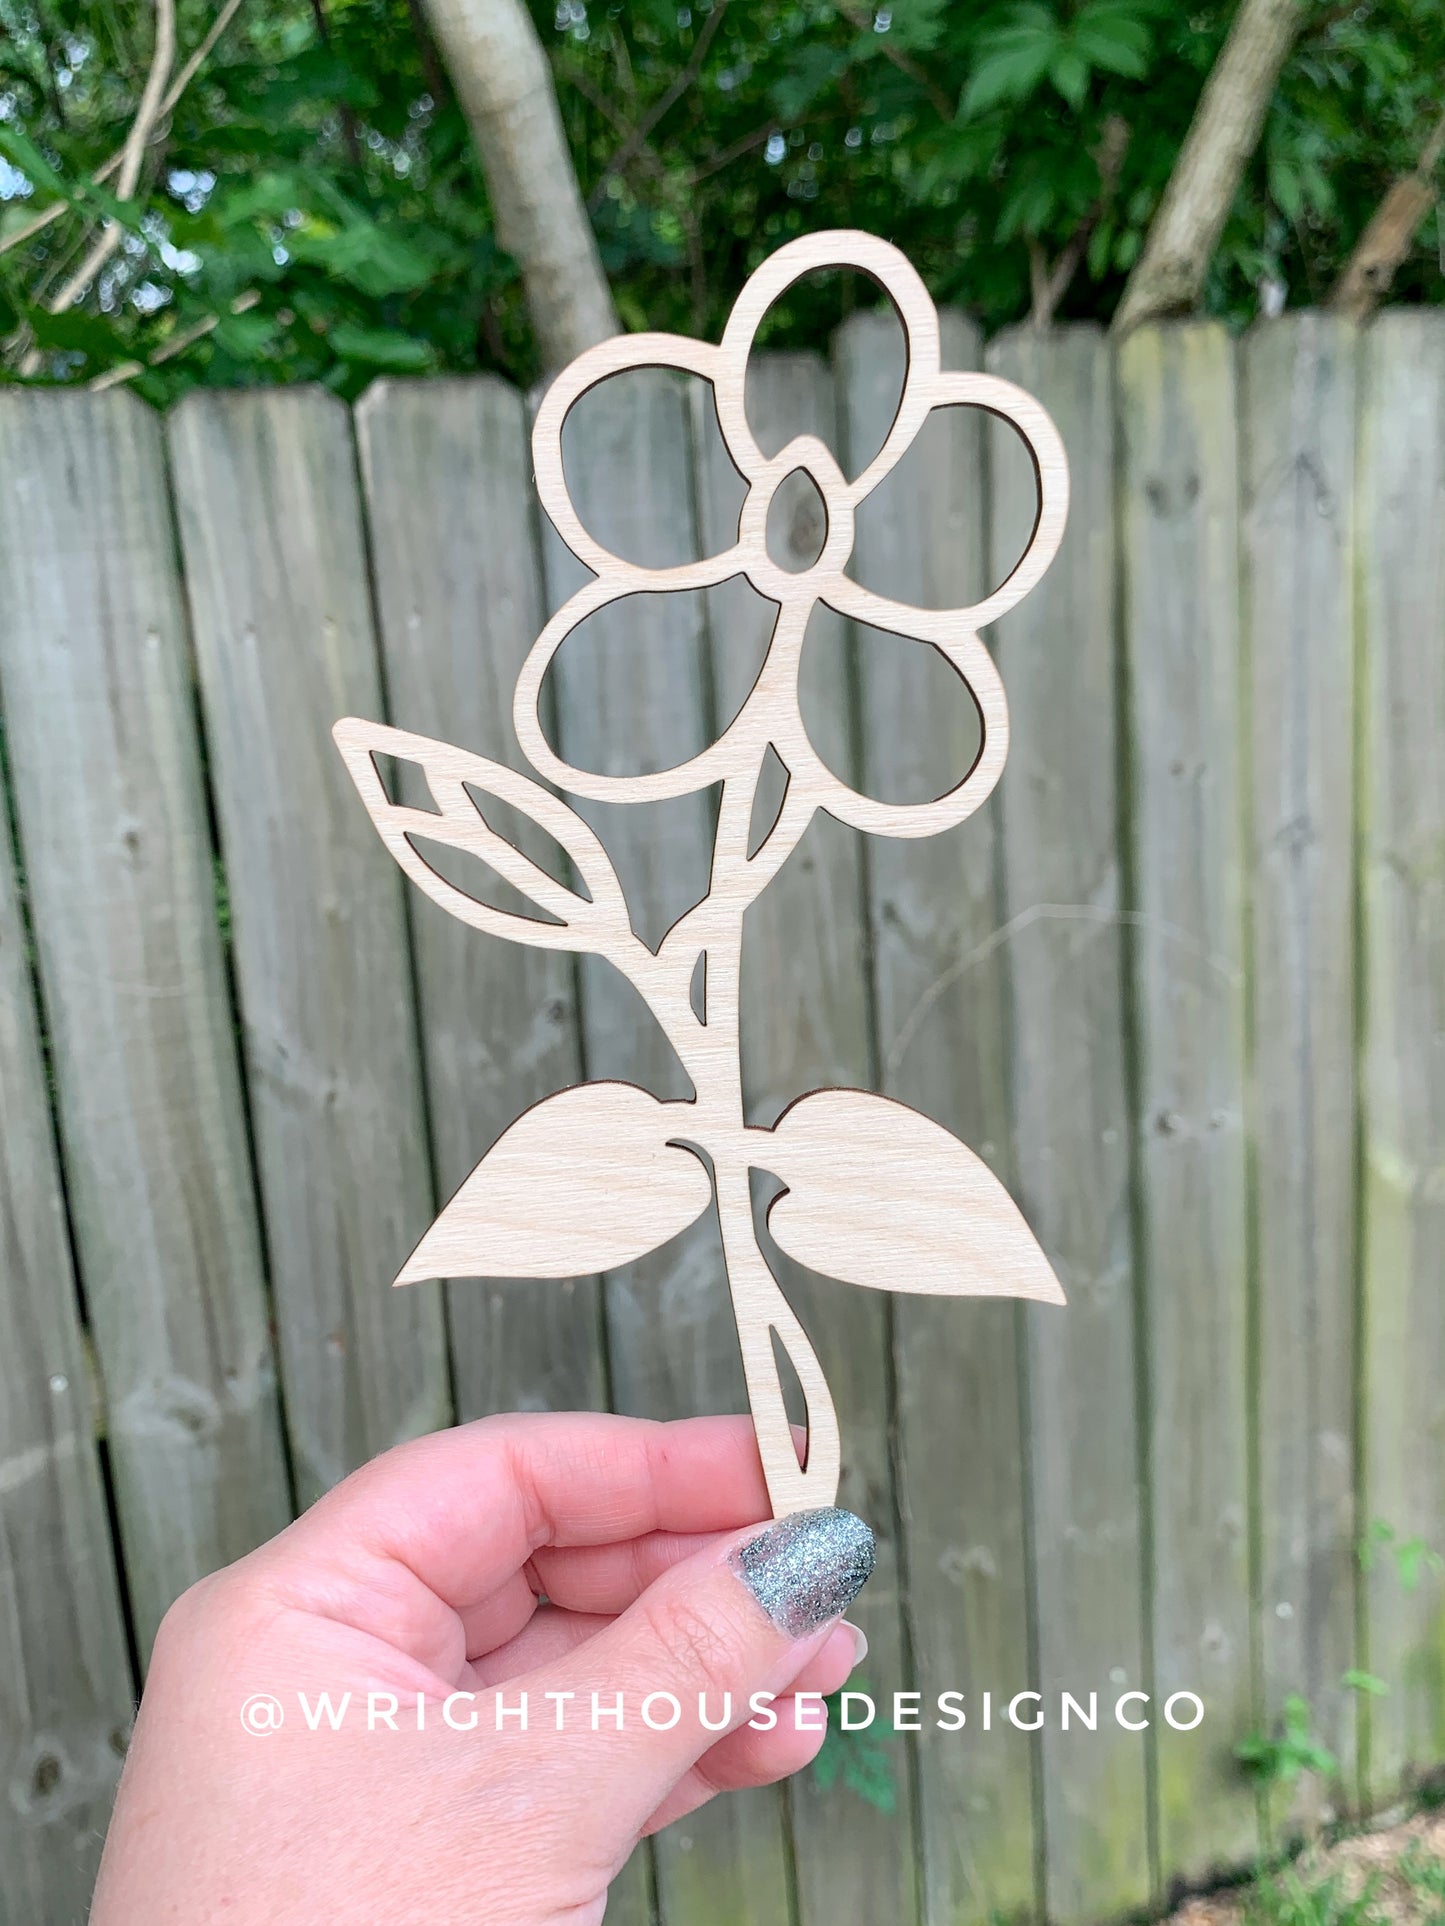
{"points": [[695, 1645]]}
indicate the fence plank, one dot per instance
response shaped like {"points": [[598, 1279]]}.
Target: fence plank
{"points": [[117, 852], [806, 1025], [276, 572], [65, 1683], [631, 693], [1179, 533], [1402, 603], [447, 474], [1058, 653], [1298, 452], [939, 1026]]}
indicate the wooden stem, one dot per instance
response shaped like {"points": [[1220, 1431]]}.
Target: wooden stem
{"points": [[761, 1309]]}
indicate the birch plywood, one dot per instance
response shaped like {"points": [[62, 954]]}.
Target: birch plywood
{"points": [[1402, 609], [1181, 630], [447, 477], [805, 940], [1065, 963], [276, 570], [1297, 415], [65, 1684], [117, 852], [940, 1022], [688, 974]]}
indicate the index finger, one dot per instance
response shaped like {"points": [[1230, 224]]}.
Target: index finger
{"points": [[463, 1510]]}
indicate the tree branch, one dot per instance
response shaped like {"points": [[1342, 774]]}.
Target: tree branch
{"points": [[665, 101], [504, 83], [1169, 275], [39, 222], [919, 75], [1048, 286], [1389, 234]]}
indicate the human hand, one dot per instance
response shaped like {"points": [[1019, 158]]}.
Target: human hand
{"points": [[543, 1555]]}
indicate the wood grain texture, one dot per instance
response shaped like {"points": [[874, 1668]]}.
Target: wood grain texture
{"points": [[1179, 540], [277, 576], [1402, 612], [631, 690], [118, 859], [770, 723], [805, 1024], [1297, 419], [447, 476], [1065, 963], [939, 1018], [65, 1683]]}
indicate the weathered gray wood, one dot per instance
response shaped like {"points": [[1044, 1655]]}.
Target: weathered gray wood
{"points": [[114, 838], [1179, 540], [276, 572], [1402, 608], [630, 694], [806, 1026], [1065, 961], [65, 1683], [447, 473], [940, 1043], [1297, 418]]}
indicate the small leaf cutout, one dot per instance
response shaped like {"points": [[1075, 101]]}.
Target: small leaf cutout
{"points": [[880, 1196], [595, 921], [581, 1182]]}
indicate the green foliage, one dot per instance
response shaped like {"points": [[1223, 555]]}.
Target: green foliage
{"points": [[1424, 1874], [1279, 1758], [312, 209], [1366, 1683], [861, 1761], [1413, 1558], [1285, 1898]]}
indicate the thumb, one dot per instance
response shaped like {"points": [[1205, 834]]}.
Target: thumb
{"points": [[733, 1622]]}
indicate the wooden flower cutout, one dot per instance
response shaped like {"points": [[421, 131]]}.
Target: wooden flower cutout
{"points": [[603, 1173]]}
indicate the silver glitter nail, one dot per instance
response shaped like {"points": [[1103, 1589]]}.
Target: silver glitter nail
{"points": [[807, 1568]]}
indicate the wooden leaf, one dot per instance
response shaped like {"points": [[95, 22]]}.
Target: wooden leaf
{"points": [[878, 1195], [581, 1182], [598, 924]]}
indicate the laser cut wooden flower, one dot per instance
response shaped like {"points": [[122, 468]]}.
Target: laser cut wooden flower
{"points": [[600, 1174]]}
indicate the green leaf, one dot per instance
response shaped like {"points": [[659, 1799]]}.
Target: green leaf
{"points": [[1012, 60], [1367, 1682], [813, 70], [1069, 72], [245, 336], [381, 347]]}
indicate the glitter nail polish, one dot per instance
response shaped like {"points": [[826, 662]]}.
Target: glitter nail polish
{"points": [[807, 1568]]}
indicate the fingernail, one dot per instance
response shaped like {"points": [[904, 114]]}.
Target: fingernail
{"points": [[807, 1568], [860, 1642]]}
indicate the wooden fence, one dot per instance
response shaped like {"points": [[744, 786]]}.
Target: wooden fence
{"points": [[1182, 982]]}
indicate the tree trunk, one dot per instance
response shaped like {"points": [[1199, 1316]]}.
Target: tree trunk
{"points": [[504, 83], [1169, 275], [1367, 275]]}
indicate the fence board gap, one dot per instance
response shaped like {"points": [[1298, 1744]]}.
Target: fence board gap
{"points": [[447, 471], [1179, 542], [1062, 904], [1402, 856], [276, 571], [65, 1678], [938, 1011], [115, 838], [1298, 468]]}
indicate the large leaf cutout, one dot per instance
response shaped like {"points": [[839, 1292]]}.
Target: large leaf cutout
{"points": [[581, 1182], [599, 924], [878, 1195]]}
